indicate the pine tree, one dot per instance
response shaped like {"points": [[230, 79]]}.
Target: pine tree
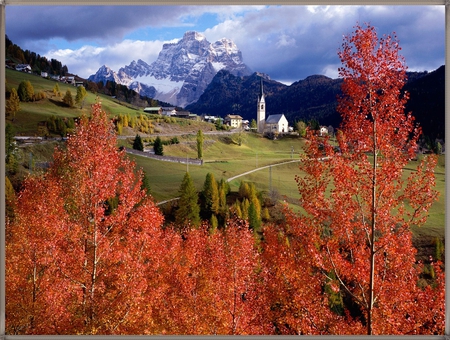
{"points": [[138, 144], [188, 212], [56, 90], [211, 194], [158, 147]]}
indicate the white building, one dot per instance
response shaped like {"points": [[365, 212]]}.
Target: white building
{"points": [[274, 123], [235, 121]]}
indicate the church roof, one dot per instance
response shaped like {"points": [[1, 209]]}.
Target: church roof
{"points": [[274, 119]]}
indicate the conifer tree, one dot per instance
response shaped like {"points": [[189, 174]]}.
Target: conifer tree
{"points": [[211, 194], [188, 212], [56, 90], [138, 144], [158, 147]]}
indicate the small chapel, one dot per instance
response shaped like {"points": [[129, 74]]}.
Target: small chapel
{"points": [[274, 123]]}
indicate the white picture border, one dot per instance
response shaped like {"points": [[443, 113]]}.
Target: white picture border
{"points": [[4, 3]]}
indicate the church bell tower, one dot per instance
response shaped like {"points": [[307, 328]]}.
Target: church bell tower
{"points": [[261, 110]]}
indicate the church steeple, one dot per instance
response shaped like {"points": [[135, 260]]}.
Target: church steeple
{"points": [[261, 110], [261, 89]]}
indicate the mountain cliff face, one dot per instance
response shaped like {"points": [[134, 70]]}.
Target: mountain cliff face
{"points": [[182, 70]]}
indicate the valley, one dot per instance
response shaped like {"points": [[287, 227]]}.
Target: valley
{"points": [[222, 155]]}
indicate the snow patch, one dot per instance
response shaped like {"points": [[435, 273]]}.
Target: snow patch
{"points": [[218, 66], [163, 86]]}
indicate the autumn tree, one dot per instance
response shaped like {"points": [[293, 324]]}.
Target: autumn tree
{"points": [[214, 285], [200, 140], [301, 128], [81, 94], [359, 204], [188, 212], [12, 104], [83, 236], [294, 289], [56, 90], [68, 99], [25, 91]]}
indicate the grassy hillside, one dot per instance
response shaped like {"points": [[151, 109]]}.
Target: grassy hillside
{"points": [[33, 113], [226, 159]]}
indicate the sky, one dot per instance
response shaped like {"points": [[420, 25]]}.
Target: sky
{"points": [[288, 43]]}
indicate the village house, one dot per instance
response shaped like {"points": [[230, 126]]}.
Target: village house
{"points": [[323, 131], [153, 110], [187, 115], [23, 68], [235, 121], [169, 111]]}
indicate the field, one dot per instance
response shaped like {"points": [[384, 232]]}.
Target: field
{"points": [[222, 155], [229, 160]]}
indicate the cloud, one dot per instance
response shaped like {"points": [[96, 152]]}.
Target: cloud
{"points": [[287, 42], [86, 60], [292, 42]]}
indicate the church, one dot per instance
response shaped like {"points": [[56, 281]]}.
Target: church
{"points": [[274, 123]]}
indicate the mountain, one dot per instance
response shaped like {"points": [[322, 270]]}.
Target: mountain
{"points": [[427, 102], [182, 71], [316, 98], [228, 94], [313, 97]]}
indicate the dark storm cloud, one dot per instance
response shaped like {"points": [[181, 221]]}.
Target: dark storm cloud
{"points": [[97, 23]]}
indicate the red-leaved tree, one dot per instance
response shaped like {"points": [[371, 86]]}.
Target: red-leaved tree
{"points": [[212, 284], [81, 239], [359, 201]]}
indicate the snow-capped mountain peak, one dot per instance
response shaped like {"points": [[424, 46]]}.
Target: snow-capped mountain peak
{"points": [[182, 70]]}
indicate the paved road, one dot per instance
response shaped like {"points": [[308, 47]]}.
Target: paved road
{"points": [[193, 132], [237, 176]]}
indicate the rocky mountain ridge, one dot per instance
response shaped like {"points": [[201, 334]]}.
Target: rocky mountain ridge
{"points": [[182, 70]]}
